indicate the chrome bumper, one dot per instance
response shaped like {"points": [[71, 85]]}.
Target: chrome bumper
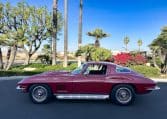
{"points": [[20, 89], [155, 88]]}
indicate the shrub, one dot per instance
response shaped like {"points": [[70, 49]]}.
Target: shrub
{"points": [[44, 59], [92, 53], [18, 70], [146, 70], [123, 59], [127, 59], [138, 59]]}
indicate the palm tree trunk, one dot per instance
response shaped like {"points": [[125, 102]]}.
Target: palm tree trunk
{"points": [[80, 29], [97, 43], [1, 60], [126, 48], [80, 24], [54, 33], [65, 32]]}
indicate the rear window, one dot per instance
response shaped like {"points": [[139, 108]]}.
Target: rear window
{"points": [[120, 69]]}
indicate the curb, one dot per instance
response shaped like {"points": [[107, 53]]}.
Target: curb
{"points": [[13, 78], [160, 80]]}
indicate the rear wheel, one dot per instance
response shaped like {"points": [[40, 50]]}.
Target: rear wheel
{"points": [[123, 95], [40, 93]]}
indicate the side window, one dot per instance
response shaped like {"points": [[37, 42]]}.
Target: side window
{"points": [[96, 69], [120, 69]]}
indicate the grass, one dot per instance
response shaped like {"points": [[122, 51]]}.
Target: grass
{"points": [[39, 68]]}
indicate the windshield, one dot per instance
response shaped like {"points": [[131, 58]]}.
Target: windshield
{"points": [[78, 70]]}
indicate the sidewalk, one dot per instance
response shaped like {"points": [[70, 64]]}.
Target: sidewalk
{"points": [[160, 80], [22, 77]]}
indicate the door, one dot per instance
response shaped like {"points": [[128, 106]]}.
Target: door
{"points": [[63, 84], [92, 81]]}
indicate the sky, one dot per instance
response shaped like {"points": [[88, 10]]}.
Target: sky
{"points": [[137, 19]]}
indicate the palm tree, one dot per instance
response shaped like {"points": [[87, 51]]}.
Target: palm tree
{"points": [[65, 32], [140, 43], [54, 34], [98, 34], [80, 23], [126, 42], [80, 29]]}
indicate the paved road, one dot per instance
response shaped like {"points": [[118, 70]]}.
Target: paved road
{"points": [[14, 105]]}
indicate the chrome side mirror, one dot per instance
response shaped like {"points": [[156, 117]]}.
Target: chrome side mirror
{"points": [[86, 73]]}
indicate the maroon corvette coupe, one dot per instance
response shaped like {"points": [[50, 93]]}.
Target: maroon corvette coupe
{"points": [[93, 80]]}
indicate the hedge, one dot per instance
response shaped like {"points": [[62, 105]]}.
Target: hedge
{"points": [[146, 70]]}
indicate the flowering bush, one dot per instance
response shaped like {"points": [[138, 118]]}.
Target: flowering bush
{"points": [[122, 59], [127, 59], [139, 59]]}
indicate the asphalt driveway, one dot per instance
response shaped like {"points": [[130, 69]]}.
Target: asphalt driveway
{"points": [[14, 105]]}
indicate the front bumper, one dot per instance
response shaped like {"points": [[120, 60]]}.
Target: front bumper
{"points": [[20, 89], [154, 88]]}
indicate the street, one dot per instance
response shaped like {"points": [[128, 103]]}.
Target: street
{"points": [[15, 105]]}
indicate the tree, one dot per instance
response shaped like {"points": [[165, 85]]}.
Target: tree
{"points": [[38, 22], [12, 31], [101, 54], [1, 58], [80, 29], [1, 40], [25, 27], [140, 43], [126, 42], [159, 49], [92, 53], [86, 51], [54, 33], [98, 34], [65, 33]]}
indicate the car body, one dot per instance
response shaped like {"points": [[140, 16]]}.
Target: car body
{"points": [[93, 80]]}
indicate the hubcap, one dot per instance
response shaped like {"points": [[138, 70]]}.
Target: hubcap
{"points": [[124, 95], [39, 93]]}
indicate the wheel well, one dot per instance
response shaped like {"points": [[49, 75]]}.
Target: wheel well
{"points": [[133, 86], [28, 89]]}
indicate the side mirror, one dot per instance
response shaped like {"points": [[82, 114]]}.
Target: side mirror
{"points": [[86, 73]]}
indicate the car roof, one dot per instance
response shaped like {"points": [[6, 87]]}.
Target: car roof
{"points": [[100, 62]]}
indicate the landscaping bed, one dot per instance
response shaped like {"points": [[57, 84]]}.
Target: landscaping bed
{"points": [[27, 70]]}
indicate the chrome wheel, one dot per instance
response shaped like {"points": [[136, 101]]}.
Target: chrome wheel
{"points": [[123, 95], [39, 93]]}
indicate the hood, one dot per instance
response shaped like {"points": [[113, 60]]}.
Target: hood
{"points": [[50, 73], [44, 76]]}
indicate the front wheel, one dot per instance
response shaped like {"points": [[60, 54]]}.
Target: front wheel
{"points": [[40, 93], [123, 94]]}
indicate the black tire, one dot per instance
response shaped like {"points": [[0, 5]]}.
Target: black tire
{"points": [[123, 95], [40, 93]]}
